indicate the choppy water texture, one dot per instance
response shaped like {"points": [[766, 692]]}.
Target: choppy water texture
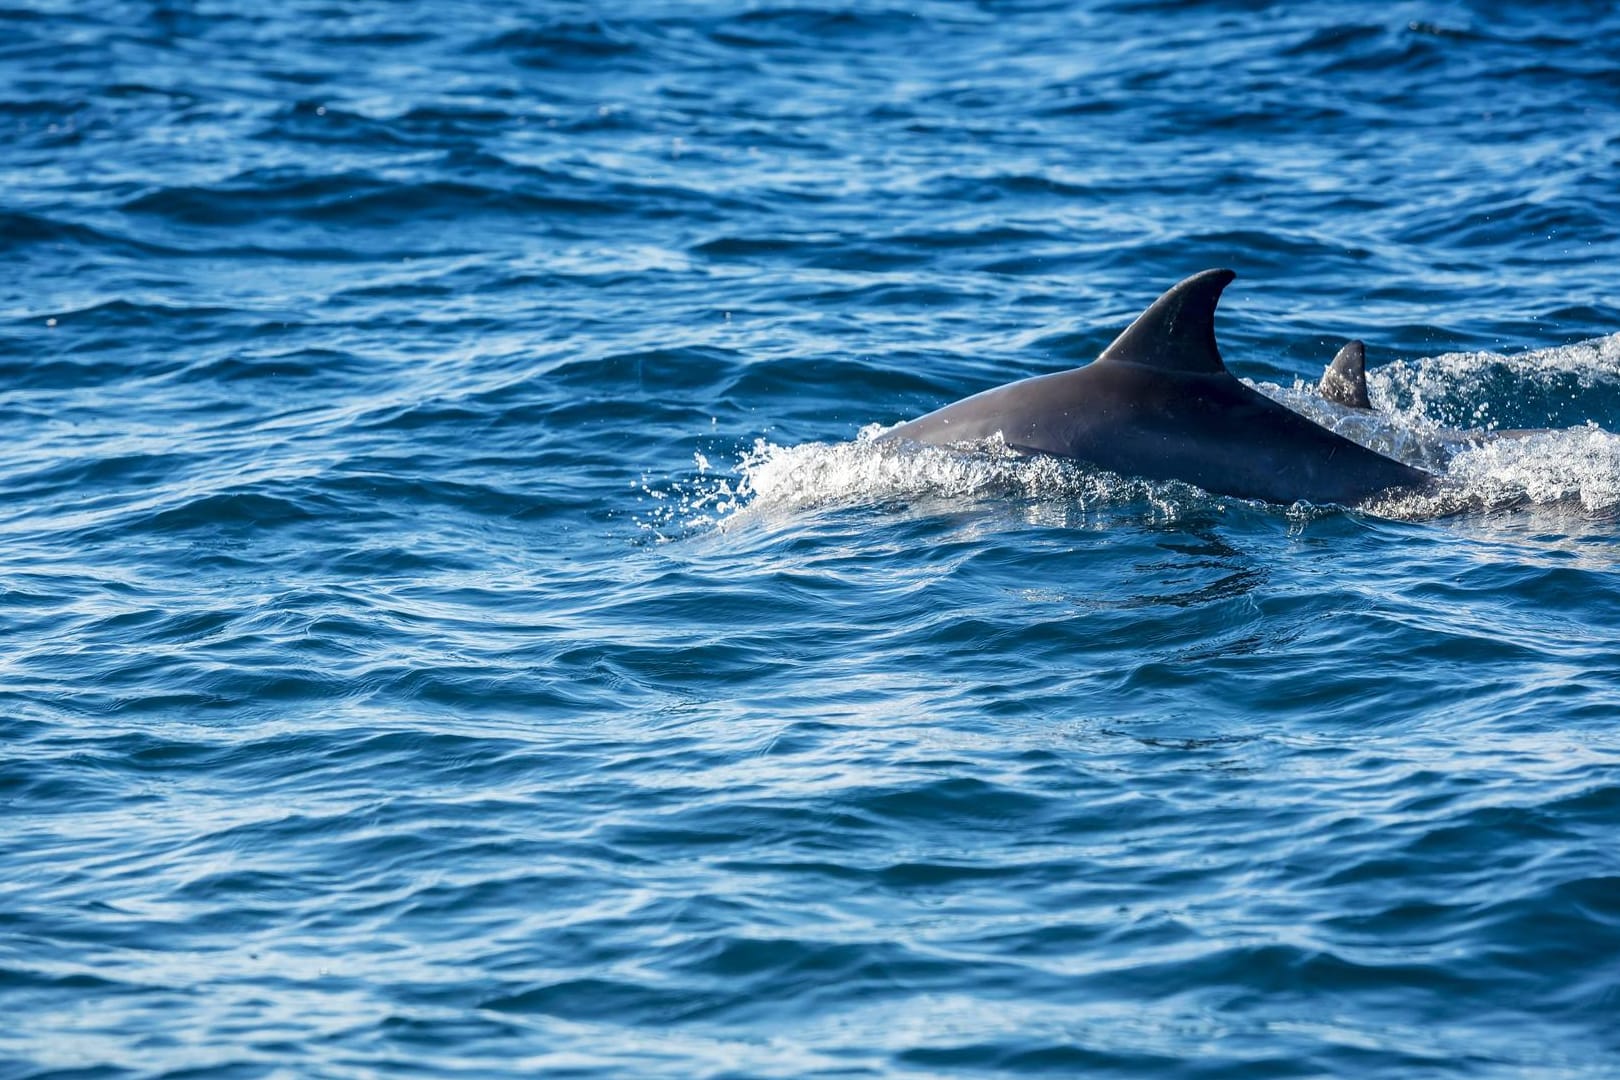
{"points": [[454, 625]]}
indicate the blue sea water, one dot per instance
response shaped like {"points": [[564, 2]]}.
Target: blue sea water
{"points": [[454, 620]]}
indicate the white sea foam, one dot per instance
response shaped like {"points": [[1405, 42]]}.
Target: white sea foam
{"points": [[1424, 388], [770, 480]]}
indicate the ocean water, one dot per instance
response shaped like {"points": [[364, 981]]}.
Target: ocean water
{"points": [[455, 620]]}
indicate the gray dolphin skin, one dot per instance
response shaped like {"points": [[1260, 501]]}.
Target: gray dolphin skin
{"points": [[1159, 403], [1345, 380]]}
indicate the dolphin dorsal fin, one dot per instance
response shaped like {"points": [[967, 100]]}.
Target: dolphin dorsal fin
{"points": [[1177, 333], [1345, 380]]}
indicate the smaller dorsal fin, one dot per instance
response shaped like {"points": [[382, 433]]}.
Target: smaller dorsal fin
{"points": [[1177, 333], [1345, 380]]}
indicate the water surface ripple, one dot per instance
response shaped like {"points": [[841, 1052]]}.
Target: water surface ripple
{"points": [[456, 622]]}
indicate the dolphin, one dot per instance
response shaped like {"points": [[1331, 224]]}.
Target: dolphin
{"points": [[1159, 403], [1345, 380]]}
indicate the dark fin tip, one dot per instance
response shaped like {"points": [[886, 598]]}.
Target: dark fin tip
{"points": [[1177, 332]]}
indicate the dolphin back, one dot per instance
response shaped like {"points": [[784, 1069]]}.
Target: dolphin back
{"points": [[1159, 403]]}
